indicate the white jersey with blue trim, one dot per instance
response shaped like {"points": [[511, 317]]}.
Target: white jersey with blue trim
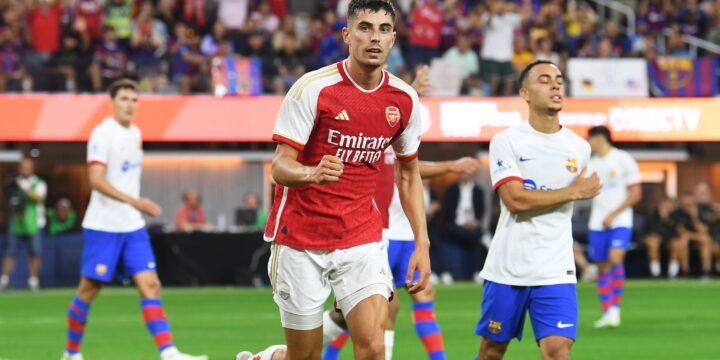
{"points": [[119, 148], [533, 249], [617, 171]]}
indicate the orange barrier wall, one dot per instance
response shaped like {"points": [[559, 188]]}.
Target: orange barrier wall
{"points": [[205, 118]]}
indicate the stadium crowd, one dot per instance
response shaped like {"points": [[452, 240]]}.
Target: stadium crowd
{"points": [[174, 46]]}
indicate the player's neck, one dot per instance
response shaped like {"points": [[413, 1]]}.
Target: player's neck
{"points": [[547, 124], [121, 123], [604, 150], [365, 77]]}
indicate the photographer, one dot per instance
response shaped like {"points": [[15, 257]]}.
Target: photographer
{"points": [[26, 221]]}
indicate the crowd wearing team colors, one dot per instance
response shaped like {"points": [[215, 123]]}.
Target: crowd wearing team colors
{"points": [[170, 46]]}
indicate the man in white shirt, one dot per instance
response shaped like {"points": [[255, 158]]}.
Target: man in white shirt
{"points": [[611, 219], [116, 242], [538, 170]]}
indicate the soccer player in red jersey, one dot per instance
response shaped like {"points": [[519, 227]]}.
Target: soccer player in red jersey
{"points": [[332, 130]]}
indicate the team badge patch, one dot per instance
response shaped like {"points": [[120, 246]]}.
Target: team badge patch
{"points": [[392, 114], [101, 269], [495, 327], [571, 165]]}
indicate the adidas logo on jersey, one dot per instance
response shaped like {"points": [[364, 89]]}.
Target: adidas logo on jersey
{"points": [[343, 116]]}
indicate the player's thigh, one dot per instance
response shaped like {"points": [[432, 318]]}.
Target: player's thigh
{"points": [[299, 287], [101, 253], [598, 245], [138, 256], [555, 347], [401, 252], [358, 273], [366, 320], [503, 312], [554, 311]]}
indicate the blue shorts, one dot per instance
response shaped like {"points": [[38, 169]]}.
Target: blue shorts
{"points": [[553, 311], [33, 244], [399, 253], [600, 242], [109, 255]]}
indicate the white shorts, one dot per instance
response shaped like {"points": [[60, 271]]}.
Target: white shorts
{"points": [[302, 280]]}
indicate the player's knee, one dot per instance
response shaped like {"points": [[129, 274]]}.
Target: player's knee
{"points": [[491, 354], [280, 354], [369, 348], [150, 288], [558, 351]]}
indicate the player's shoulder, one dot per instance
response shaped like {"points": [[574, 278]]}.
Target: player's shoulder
{"points": [[400, 84], [512, 133], [315, 81], [105, 127], [576, 140]]}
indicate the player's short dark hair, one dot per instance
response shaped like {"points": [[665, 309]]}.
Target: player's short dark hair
{"points": [[356, 6], [121, 84], [601, 130], [526, 70]]}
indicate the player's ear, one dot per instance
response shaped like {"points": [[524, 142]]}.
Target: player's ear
{"points": [[346, 35], [524, 94]]}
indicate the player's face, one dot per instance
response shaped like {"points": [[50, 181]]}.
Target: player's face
{"points": [[595, 143], [124, 105], [26, 168], [370, 37], [544, 88]]}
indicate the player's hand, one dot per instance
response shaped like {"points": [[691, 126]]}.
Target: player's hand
{"points": [[607, 222], [465, 165], [421, 84], [587, 187], [328, 170], [147, 207], [420, 262]]}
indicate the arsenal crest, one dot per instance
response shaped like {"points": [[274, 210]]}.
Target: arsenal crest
{"points": [[392, 114]]}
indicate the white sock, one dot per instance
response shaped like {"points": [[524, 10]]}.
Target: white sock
{"points": [[655, 268], [389, 343], [673, 269], [268, 353], [4, 280], [331, 330]]}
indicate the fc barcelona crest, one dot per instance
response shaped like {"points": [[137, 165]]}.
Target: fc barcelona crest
{"points": [[392, 114]]}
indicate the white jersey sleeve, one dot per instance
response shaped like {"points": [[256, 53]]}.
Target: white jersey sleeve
{"points": [[632, 171], [503, 165], [296, 118], [98, 146], [406, 146]]}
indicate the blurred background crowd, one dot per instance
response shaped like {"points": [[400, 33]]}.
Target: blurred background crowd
{"points": [[176, 46]]}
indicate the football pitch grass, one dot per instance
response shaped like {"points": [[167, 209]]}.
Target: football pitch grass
{"points": [[661, 320]]}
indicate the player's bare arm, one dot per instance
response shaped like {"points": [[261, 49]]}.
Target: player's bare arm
{"points": [[519, 200], [634, 196], [96, 177], [410, 189], [287, 171], [465, 165]]}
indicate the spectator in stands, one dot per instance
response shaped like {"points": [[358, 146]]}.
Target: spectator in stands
{"points": [[118, 15], [64, 64], [713, 35], [544, 51], [287, 28], [692, 228], [661, 233], [620, 43], [710, 212], [233, 14], [522, 56], [26, 223], [189, 64], [499, 23], [166, 13], [656, 13], [266, 20], [195, 14], [251, 201], [190, 216], [62, 218], [676, 44], [691, 19], [210, 44], [605, 49], [12, 70], [424, 42], [451, 25], [467, 61], [91, 12], [148, 44], [110, 61], [463, 209], [291, 63]]}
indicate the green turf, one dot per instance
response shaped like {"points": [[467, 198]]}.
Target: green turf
{"points": [[661, 320]]}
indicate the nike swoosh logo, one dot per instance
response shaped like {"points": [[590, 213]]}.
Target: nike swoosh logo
{"points": [[522, 159], [560, 325]]}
